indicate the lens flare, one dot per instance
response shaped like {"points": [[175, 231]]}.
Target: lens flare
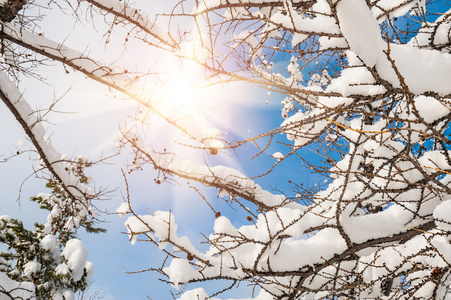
{"points": [[184, 93]]}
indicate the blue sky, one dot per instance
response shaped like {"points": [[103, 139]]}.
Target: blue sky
{"points": [[92, 129], [89, 126]]}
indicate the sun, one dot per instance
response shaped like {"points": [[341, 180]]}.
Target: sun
{"points": [[183, 92], [188, 101], [202, 109]]}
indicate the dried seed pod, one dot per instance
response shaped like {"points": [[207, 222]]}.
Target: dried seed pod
{"points": [[217, 214], [213, 151]]}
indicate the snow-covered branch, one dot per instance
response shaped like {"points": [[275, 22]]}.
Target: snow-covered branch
{"points": [[366, 105]]}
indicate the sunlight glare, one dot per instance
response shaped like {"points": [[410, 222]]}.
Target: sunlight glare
{"points": [[184, 93]]}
